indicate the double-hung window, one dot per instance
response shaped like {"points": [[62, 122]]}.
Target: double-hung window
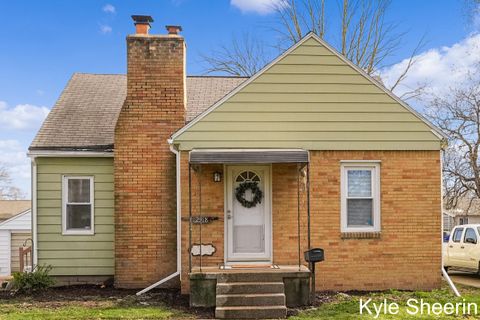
{"points": [[360, 196], [78, 206]]}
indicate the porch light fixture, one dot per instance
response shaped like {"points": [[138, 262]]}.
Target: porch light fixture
{"points": [[217, 176]]}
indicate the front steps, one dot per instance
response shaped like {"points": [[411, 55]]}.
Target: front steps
{"points": [[250, 296]]}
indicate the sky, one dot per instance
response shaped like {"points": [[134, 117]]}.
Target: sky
{"points": [[44, 42]]}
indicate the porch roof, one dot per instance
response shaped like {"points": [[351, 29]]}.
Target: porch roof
{"points": [[205, 156]]}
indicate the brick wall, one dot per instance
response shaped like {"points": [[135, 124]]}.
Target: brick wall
{"points": [[212, 205], [407, 255], [145, 205]]}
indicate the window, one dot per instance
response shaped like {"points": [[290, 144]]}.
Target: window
{"points": [[463, 221], [457, 235], [470, 236], [360, 196], [77, 211]]}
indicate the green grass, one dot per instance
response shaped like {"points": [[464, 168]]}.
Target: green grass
{"points": [[341, 306], [13, 310], [347, 307]]}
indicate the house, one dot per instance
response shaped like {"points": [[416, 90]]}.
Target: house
{"points": [[156, 177], [15, 232], [448, 223], [466, 210]]}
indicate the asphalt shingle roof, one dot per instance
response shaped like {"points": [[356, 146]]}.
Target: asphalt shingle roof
{"points": [[85, 115]]}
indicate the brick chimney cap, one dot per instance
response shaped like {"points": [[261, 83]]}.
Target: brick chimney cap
{"points": [[142, 19], [172, 29]]}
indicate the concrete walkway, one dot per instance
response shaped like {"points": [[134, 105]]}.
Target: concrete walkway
{"points": [[467, 279]]}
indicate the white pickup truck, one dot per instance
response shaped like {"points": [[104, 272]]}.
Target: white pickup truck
{"points": [[462, 251]]}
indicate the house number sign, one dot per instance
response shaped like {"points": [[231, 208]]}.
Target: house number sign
{"points": [[202, 220]]}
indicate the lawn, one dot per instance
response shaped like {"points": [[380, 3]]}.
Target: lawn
{"points": [[347, 306], [104, 303], [95, 303]]}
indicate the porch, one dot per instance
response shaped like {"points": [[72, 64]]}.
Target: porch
{"points": [[247, 227], [258, 292]]}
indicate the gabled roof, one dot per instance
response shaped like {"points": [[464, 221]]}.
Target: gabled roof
{"points": [[10, 208], [85, 115], [310, 82], [21, 221]]}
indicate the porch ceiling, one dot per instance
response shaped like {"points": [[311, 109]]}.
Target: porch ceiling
{"points": [[205, 156]]}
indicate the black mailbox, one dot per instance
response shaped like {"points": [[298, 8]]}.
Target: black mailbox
{"points": [[314, 255]]}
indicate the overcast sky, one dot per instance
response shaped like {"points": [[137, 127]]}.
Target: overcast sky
{"points": [[44, 42]]}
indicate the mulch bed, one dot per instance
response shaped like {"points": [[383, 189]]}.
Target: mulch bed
{"points": [[91, 296]]}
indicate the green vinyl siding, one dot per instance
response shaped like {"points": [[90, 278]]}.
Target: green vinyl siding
{"points": [[75, 255], [310, 99]]}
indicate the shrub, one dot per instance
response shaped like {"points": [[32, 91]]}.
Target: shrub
{"points": [[37, 280]]}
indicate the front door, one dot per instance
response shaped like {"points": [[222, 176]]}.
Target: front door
{"points": [[248, 214]]}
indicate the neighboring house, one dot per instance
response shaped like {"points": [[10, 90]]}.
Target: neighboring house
{"points": [[466, 211], [15, 230], [132, 173], [9, 208], [448, 223]]}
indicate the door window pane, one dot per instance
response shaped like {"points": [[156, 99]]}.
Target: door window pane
{"points": [[457, 235], [470, 234]]}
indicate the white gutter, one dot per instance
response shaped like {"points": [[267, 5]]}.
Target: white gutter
{"points": [[444, 273], [34, 212], [179, 226]]}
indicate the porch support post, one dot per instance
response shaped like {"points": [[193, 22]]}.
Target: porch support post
{"points": [[308, 205], [199, 173], [189, 218], [298, 215]]}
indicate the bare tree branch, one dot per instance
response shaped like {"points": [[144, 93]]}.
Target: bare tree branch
{"points": [[242, 57], [7, 190], [457, 113], [366, 38]]}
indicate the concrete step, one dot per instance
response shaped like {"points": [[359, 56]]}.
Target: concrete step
{"points": [[250, 277], [250, 287], [251, 312], [262, 299]]}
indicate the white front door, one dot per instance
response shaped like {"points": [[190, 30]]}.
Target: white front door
{"points": [[248, 226]]}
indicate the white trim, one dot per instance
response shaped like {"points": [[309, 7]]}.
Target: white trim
{"points": [[240, 87], [66, 231], [57, 153], [437, 132], [267, 256], [375, 169], [179, 208], [9, 265], [34, 212], [179, 225], [361, 161]]}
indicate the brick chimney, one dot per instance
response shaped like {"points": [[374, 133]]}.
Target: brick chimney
{"points": [[145, 197]]}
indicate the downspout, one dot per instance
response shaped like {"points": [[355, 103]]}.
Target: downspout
{"points": [[34, 212], [444, 273], [179, 225]]}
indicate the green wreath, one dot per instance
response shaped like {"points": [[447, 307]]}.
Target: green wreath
{"points": [[240, 194]]}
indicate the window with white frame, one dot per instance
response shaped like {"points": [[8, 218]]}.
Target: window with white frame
{"points": [[78, 206], [360, 196]]}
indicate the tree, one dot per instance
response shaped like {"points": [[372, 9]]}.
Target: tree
{"points": [[457, 113], [366, 38], [244, 56], [7, 190]]}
